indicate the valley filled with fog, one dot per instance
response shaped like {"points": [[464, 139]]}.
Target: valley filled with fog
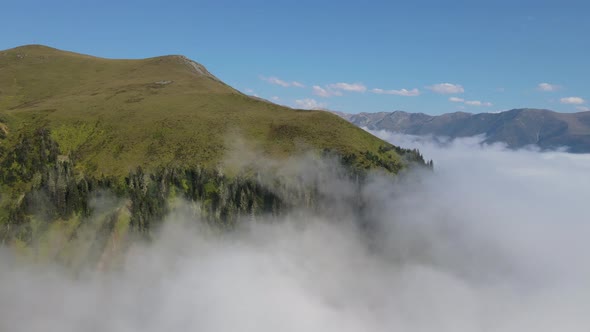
{"points": [[492, 240]]}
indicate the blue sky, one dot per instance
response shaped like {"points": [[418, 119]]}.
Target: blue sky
{"points": [[352, 56]]}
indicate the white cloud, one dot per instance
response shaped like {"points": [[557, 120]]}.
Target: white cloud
{"points": [[354, 87], [470, 102], [275, 98], [547, 87], [249, 91], [310, 104], [477, 103], [402, 92], [285, 84], [319, 91], [572, 100], [493, 240], [276, 81], [446, 88], [583, 108]]}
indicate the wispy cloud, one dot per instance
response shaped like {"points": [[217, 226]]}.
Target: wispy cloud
{"points": [[336, 89], [470, 102], [572, 100], [477, 103], [583, 108], [446, 88], [547, 87], [352, 87], [326, 93], [275, 98], [402, 92], [277, 81], [310, 104]]}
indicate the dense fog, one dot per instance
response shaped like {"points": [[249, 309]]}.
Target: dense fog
{"points": [[492, 240]]}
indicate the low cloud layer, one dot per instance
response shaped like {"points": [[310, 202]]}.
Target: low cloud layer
{"points": [[493, 240]]}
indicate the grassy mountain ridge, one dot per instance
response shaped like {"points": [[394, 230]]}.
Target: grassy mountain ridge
{"points": [[516, 128], [117, 114], [148, 132]]}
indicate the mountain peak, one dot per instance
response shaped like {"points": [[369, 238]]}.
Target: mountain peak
{"points": [[194, 66], [34, 47], [36, 50]]}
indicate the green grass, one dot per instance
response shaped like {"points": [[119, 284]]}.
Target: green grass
{"points": [[113, 116]]}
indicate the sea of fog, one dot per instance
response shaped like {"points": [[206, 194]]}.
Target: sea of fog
{"points": [[492, 240]]}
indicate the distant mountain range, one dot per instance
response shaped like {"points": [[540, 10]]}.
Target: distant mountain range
{"points": [[517, 128]]}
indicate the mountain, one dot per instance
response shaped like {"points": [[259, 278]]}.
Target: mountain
{"points": [[117, 114], [517, 128], [75, 129]]}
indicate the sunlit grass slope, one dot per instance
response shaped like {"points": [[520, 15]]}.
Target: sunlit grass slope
{"points": [[115, 115]]}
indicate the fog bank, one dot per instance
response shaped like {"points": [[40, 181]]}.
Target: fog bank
{"points": [[492, 240]]}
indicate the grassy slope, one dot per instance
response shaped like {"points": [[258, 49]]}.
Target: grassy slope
{"points": [[114, 116]]}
